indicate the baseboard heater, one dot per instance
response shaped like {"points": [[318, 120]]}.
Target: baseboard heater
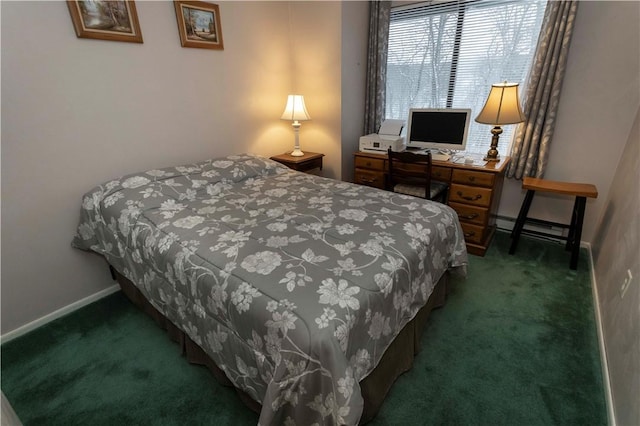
{"points": [[535, 227]]}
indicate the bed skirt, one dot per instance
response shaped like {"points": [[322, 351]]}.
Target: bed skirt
{"points": [[397, 359]]}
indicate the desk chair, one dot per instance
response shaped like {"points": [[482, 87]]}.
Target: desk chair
{"points": [[410, 174]]}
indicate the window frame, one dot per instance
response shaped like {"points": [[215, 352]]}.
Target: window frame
{"points": [[462, 9]]}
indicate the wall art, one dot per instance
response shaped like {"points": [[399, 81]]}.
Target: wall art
{"points": [[106, 20], [199, 24]]}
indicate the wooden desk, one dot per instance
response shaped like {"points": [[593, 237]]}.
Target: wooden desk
{"points": [[474, 191]]}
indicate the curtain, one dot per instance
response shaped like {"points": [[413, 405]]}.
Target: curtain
{"points": [[532, 142], [379, 13]]}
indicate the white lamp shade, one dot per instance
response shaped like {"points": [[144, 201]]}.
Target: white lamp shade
{"points": [[295, 109], [502, 106]]}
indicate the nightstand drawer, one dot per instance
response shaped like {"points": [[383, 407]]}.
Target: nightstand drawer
{"points": [[468, 177], [441, 173], [470, 214], [369, 163], [472, 233], [470, 195], [369, 178]]}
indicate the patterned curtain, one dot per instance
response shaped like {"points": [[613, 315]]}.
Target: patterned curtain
{"points": [[379, 16], [531, 145]]}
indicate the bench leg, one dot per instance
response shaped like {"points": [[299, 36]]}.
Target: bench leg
{"points": [[575, 231], [572, 227], [522, 217]]}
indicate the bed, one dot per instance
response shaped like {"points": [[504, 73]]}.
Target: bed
{"points": [[295, 287]]}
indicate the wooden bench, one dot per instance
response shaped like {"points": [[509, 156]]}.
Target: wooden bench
{"points": [[581, 191]]}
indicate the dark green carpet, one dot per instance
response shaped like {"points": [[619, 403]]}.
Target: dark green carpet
{"points": [[515, 344]]}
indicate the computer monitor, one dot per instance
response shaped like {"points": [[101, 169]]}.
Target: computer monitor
{"points": [[438, 129]]}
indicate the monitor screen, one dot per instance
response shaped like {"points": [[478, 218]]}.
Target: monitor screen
{"points": [[438, 129]]}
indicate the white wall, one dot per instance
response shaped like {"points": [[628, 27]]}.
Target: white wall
{"points": [[316, 40], [355, 39], [617, 269], [600, 96], [77, 112]]}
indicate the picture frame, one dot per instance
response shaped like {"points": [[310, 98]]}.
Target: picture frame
{"points": [[106, 20], [199, 24]]}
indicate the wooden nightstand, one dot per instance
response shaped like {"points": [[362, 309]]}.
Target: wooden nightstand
{"points": [[305, 163]]}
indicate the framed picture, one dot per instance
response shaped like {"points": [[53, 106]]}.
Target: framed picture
{"points": [[199, 24], [105, 20]]}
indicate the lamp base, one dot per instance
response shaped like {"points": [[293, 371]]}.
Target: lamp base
{"points": [[492, 154], [296, 146]]}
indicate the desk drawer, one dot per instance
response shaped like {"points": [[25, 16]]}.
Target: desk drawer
{"points": [[470, 214], [469, 177], [472, 233], [369, 163], [369, 178], [470, 195], [442, 174]]}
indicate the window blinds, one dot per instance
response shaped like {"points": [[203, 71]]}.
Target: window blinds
{"points": [[446, 54]]}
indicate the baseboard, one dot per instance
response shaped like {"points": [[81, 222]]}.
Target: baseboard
{"points": [[57, 314], [603, 353]]}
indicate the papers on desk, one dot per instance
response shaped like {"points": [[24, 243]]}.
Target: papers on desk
{"points": [[440, 156], [469, 159], [436, 156], [457, 157]]}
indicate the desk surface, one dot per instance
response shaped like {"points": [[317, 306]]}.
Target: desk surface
{"points": [[457, 162]]}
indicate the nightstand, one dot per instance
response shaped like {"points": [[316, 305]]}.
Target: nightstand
{"points": [[305, 163]]}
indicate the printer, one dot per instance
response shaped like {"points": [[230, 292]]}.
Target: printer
{"points": [[388, 136]]}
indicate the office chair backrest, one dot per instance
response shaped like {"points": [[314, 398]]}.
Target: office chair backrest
{"points": [[410, 173]]}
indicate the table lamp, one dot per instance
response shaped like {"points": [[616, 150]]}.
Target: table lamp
{"points": [[502, 107], [296, 112]]}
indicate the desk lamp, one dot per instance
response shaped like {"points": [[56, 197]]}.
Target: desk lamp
{"points": [[296, 112], [502, 107]]}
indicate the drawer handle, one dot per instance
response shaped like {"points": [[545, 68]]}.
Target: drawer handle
{"points": [[367, 180], [470, 216], [471, 178], [477, 196], [469, 234], [368, 163]]}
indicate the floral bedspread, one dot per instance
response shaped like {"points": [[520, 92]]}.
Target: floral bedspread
{"points": [[293, 284]]}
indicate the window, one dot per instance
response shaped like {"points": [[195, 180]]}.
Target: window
{"points": [[446, 54]]}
